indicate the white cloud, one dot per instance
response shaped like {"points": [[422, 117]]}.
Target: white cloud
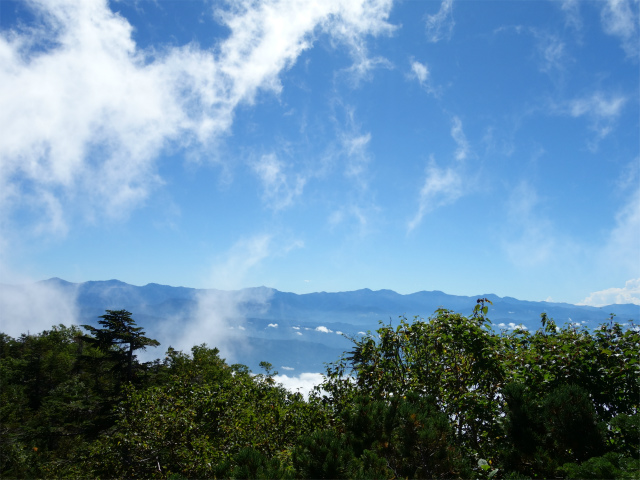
{"points": [[53, 221], [94, 129], [235, 267], [598, 106], [279, 190], [441, 187], [512, 326], [323, 329], [623, 245], [216, 310], [303, 383], [34, 307], [357, 19], [440, 25], [93, 126], [552, 51], [630, 293], [355, 148], [287, 368], [571, 8], [620, 19], [461, 140], [352, 153], [245, 255], [530, 241], [420, 72], [601, 110], [363, 67], [209, 322]]}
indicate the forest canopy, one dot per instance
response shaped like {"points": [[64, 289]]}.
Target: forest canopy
{"points": [[445, 397]]}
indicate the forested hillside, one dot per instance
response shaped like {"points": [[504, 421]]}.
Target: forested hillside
{"points": [[446, 397]]}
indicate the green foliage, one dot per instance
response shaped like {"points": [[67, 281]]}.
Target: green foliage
{"points": [[604, 363], [119, 330], [200, 419], [529, 401], [39, 400], [454, 360], [609, 466], [323, 454], [623, 435], [442, 398], [541, 434]]}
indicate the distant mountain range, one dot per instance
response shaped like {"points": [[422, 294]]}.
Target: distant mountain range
{"points": [[296, 333]]}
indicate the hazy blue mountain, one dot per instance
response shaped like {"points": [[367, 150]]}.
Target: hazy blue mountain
{"points": [[299, 332]]}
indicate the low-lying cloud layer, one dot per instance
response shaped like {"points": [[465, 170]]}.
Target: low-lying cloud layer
{"points": [[34, 307], [630, 293]]}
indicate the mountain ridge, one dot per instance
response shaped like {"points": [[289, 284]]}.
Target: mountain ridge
{"points": [[368, 290], [299, 331]]}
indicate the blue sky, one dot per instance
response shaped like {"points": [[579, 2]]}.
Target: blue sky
{"points": [[465, 146]]}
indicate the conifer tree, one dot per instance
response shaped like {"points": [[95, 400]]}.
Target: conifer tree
{"points": [[120, 330]]}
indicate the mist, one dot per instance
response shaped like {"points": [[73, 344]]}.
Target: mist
{"points": [[34, 307], [217, 320]]}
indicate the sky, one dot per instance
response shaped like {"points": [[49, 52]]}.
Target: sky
{"points": [[465, 146]]}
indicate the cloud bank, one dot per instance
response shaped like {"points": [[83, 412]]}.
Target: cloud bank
{"points": [[630, 293], [34, 307]]}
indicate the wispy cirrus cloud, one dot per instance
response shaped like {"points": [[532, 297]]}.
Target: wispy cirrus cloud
{"points": [[459, 137], [529, 240], [231, 270], [552, 52], [420, 72], [598, 106], [601, 109], [622, 249], [443, 185], [440, 25], [350, 27], [571, 9], [280, 188], [356, 149], [620, 18], [351, 154], [550, 49], [235, 267]]}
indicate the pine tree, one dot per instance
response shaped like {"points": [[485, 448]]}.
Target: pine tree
{"points": [[120, 330]]}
